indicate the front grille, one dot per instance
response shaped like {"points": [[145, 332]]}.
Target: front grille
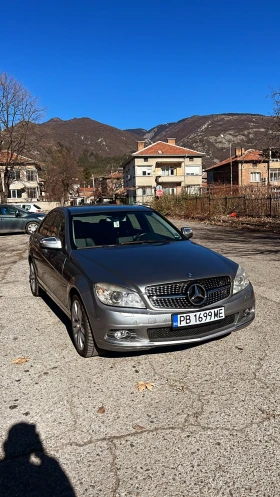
{"points": [[159, 334], [174, 295]]}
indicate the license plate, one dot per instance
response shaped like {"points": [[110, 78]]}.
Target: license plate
{"points": [[196, 318]]}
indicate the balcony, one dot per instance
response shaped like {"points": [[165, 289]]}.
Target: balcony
{"points": [[171, 179]]}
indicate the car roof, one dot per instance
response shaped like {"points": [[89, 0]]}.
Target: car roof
{"points": [[103, 208], [11, 205], [22, 210]]}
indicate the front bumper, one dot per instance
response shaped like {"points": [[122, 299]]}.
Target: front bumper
{"points": [[149, 328]]}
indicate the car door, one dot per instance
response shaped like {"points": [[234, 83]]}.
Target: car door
{"points": [[50, 262], [55, 262], [39, 254], [9, 222]]}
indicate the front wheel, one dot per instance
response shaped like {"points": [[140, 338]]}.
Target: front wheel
{"points": [[81, 330], [31, 227], [33, 280]]}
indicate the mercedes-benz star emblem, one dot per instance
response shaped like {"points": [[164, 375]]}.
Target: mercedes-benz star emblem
{"points": [[197, 294]]}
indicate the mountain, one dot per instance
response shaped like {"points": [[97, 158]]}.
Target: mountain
{"points": [[80, 134], [202, 133]]}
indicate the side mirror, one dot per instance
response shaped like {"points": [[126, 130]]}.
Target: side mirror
{"points": [[51, 243], [187, 232], [17, 213]]}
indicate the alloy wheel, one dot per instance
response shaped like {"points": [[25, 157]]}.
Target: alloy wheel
{"points": [[78, 324], [33, 280], [31, 228], [32, 277]]}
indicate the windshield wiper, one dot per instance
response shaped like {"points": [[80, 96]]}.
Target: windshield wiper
{"points": [[145, 241]]}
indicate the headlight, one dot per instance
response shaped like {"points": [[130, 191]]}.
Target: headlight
{"points": [[40, 218], [240, 281], [118, 296]]}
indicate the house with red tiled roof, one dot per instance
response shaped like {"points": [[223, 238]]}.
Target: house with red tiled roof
{"points": [[24, 183], [162, 168], [246, 168]]}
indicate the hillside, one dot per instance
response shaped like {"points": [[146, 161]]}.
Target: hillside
{"points": [[81, 134], [202, 133]]}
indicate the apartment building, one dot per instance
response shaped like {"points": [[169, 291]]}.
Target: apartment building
{"points": [[162, 168], [24, 183]]}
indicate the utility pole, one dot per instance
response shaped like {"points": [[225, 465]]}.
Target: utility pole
{"points": [[230, 159], [230, 169]]}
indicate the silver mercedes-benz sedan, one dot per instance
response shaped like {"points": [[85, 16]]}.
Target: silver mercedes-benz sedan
{"points": [[130, 280]]}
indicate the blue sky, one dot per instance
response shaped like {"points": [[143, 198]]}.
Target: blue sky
{"points": [[139, 63]]}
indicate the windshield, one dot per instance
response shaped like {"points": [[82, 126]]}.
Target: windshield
{"points": [[121, 228]]}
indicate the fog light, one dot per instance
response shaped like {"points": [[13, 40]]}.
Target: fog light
{"points": [[246, 313], [121, 334]]}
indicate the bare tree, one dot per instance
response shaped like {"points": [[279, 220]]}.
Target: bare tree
{"points": [[18, 111], [62, 174], [275, 95]]}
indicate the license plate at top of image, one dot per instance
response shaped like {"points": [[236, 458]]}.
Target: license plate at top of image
{"points": [[196, 318]]}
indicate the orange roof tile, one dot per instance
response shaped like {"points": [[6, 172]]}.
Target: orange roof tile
{"points": [[160, 148], [249, 156], [5, 154]]}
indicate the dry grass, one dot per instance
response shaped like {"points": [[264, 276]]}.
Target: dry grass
{"points": [[255, 211]]}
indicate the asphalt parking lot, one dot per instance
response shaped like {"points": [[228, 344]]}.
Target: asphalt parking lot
{"points": [[79, 427]]}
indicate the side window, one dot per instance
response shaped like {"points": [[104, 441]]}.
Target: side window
{"points": [[11, 210], [59, 226], [46, 228], [134, 221], [158, 227], [161, 228]]}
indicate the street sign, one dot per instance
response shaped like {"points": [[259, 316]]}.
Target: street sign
{"points": [[159, 193]]}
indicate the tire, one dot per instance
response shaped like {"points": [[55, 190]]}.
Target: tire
{"points": [[33, 280], [81, 330], [31, 227]]}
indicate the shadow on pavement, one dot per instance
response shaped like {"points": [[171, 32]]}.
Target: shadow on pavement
{"points": [[27, 471], [237, 242]]}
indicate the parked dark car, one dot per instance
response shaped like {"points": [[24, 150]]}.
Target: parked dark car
{"points": [[130, 280], [13, 219]]}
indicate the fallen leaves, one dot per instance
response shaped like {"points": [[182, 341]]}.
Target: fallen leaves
{"points": [[20, 360], [138, 427], [101, 410], [143, 385]]}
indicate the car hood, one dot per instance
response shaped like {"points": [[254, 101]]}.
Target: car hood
{"points": [[137, 266]]}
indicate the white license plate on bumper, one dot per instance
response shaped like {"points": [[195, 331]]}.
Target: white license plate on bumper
{"points": [[197, 318]]}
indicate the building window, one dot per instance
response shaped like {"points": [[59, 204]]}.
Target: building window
{"points": [[168, 170], [147, 171], [193, 190], [15, 194], [170, 191], [190, 159], [274, 175], [144, 191], [31, 175], [193, 170], [15, 174], [255, 177], [31, 192], [146, 159]]}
